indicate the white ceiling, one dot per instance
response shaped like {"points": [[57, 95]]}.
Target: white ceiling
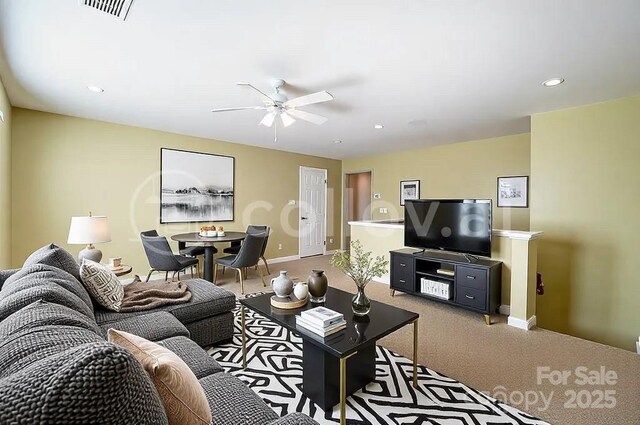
{"points": [[432, 72]]}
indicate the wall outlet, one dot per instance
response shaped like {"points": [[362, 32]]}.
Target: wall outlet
{"points": [[377, 196], [384, 210], [280, 247]]}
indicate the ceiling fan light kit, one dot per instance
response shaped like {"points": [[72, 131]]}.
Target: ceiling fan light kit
{"points": [[278, 104]]}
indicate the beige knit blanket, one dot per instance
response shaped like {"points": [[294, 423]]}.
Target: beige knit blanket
{"points": [[140, 296]]}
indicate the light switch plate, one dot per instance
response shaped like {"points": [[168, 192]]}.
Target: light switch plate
{"points": [[1, 116], [292, 201], [377, 196]]}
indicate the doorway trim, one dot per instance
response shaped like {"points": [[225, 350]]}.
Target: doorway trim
{"points": [[326, 190], [345, 220]]}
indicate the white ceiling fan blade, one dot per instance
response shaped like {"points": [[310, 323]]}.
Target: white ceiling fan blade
{"points": [[267, 100], [268, 119], [321, 96], [308, 116], [287, 120], [239, 108]]}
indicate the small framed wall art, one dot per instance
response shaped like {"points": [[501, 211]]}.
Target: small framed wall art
{"points": [[513, 191], [409, 189]]}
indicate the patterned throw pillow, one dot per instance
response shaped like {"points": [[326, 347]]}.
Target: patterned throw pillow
{"points": [[184, 400], [103, 286]]}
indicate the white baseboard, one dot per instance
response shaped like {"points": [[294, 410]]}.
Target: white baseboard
{"points": [[282, 259], [127, 280], [522, 324], [386, 279], [505, 309], [294, 257]]}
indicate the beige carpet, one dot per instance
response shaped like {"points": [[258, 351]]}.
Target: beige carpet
{"points": [[496, 359]]}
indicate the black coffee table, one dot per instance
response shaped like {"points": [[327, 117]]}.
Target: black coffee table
{"points": [[340, 364]]}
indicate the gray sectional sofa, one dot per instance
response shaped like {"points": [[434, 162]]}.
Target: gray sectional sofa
{"points": [[56, 365]]}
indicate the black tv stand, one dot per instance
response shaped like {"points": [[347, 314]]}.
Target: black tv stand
{"points": [[473, 285]]}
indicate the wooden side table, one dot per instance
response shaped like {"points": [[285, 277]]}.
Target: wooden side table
{"points": [[123, 271]]}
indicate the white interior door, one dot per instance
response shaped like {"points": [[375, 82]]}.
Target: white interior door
{"points": [[313, 211]]}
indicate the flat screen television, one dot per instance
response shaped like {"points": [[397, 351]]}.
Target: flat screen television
{"points": [[457, 225]]}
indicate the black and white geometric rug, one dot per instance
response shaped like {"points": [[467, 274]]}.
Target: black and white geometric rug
{"points": [[274, 372]]}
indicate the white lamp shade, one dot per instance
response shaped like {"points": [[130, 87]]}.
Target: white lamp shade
{"points": [[88, 230]]}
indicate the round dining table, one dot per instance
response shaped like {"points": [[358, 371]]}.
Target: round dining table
{"points": [[208, 243]]}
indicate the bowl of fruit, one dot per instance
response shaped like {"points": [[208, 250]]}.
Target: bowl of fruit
{"points": [[208, 231]]}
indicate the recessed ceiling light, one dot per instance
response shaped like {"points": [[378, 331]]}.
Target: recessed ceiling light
{"points": [[378, 126], [337, 142], [95, 89], [553, 82]]}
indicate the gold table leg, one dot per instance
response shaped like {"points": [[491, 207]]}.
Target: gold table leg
{"points": [[487, 319], [244, 339], [343, 388], [415, 353]]}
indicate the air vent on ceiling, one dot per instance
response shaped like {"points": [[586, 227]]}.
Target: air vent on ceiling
{"points": [[117, 8]]}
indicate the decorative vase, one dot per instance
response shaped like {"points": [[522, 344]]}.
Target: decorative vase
{"points": [[318, 285], [300, 290], [282, 285], [360, 304]]}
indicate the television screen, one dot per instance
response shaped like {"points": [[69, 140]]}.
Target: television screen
{"points": [[458, 225]]}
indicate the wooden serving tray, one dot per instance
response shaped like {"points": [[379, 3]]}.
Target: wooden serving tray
{"points": [[288, 303]]}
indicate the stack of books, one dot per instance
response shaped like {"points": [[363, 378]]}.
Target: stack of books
{"points": [[321, 321]]}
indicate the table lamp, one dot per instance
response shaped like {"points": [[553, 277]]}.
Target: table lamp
{"points": [[89, 230]]}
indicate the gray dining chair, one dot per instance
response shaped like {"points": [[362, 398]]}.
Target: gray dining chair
{"points": [[162, 258], [248, 256], [252, 230]]}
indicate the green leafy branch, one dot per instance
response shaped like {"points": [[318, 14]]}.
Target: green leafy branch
{"points": [[359, 265]]}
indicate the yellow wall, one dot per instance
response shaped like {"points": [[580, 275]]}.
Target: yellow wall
{"points": [[5, 180], [585, 164], [460, 170], [379, 240], [65, 166]]}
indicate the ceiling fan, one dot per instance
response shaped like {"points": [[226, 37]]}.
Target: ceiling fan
{"points": [[277, 104]]}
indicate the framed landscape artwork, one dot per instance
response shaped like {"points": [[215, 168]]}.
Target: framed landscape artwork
{"points": [[513, 192], [409, 189], [195, 187]]}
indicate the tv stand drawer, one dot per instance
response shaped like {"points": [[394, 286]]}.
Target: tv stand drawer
{"points": [[471, 277], [402, 273], [471, 297]]}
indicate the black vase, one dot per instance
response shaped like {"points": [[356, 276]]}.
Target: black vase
{"points": [[318, 285]]}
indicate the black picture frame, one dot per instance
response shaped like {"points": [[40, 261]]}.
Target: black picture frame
{"points": [[512, 192], [203, 171], [407, 184]]}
